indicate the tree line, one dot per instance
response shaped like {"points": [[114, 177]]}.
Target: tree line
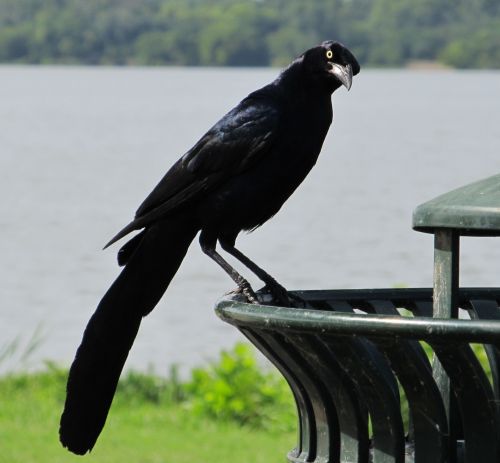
{"points": [[460, 33]]}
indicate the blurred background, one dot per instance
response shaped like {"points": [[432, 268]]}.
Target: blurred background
{"points": [[462, 33], [99, 98]]}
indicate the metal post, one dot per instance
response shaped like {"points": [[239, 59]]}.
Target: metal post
{"points": [[446, 271], [446, 280]]}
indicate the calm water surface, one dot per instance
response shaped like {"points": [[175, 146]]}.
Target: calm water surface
{"points": [[80, 148]]}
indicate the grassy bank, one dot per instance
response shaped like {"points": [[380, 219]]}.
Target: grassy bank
{"points": [[228, 411], [222, 414]]}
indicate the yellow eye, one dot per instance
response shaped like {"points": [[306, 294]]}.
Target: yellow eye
{"points": [[329, 54]]}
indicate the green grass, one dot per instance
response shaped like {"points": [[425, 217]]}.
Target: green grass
{"points": [[228, 411], [142, 431]]}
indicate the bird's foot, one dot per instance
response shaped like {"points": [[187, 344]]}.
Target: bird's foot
{"points": [[281, 296], [246, 290], [279, 293], [250, 295]]}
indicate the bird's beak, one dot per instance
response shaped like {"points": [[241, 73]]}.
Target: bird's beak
{"points": [[342, 73]]}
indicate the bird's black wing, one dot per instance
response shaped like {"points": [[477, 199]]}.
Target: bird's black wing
{"points": [[238, 140]]}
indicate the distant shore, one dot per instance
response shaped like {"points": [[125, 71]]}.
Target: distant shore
{"points": [[247, 33], [427, 65]]}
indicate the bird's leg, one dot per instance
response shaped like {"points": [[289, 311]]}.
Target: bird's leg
{"points": [[278, 291], [208, 247]]}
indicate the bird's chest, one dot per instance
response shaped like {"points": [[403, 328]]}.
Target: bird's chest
{"points": [[294, 151], [301, 141], [256, 194]]}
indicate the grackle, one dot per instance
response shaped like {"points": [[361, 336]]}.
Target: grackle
{"points": [[236, 177]]}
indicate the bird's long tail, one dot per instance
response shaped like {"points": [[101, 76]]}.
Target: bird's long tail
{"points": [[150, 265]]}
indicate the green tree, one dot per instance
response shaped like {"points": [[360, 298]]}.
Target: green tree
{"points": [[462, 33]]}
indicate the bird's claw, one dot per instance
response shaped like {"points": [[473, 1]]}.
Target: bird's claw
{"points": [[247, 291], [250, 295], [269, 295], [280, 296]]}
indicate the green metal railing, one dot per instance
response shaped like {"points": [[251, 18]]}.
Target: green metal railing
{"points": [[344, 367], [348, 355]]}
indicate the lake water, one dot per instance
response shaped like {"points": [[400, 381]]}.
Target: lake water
{"points": [[80, 148]]}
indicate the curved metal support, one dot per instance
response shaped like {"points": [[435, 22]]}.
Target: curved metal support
{"points": [[339, 389], [430, 425], [343, 365], [413, 369], [306, 432], [476, 402], [369, 372], [324, 441], [488, 310]]}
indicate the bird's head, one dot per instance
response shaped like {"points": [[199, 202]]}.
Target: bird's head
{"points": [[331, 64]]}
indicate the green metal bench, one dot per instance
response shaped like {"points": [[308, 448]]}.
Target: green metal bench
{"points": [[349, 354]]}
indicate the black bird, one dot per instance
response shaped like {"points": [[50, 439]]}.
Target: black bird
{"points": [[236, 177]]}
